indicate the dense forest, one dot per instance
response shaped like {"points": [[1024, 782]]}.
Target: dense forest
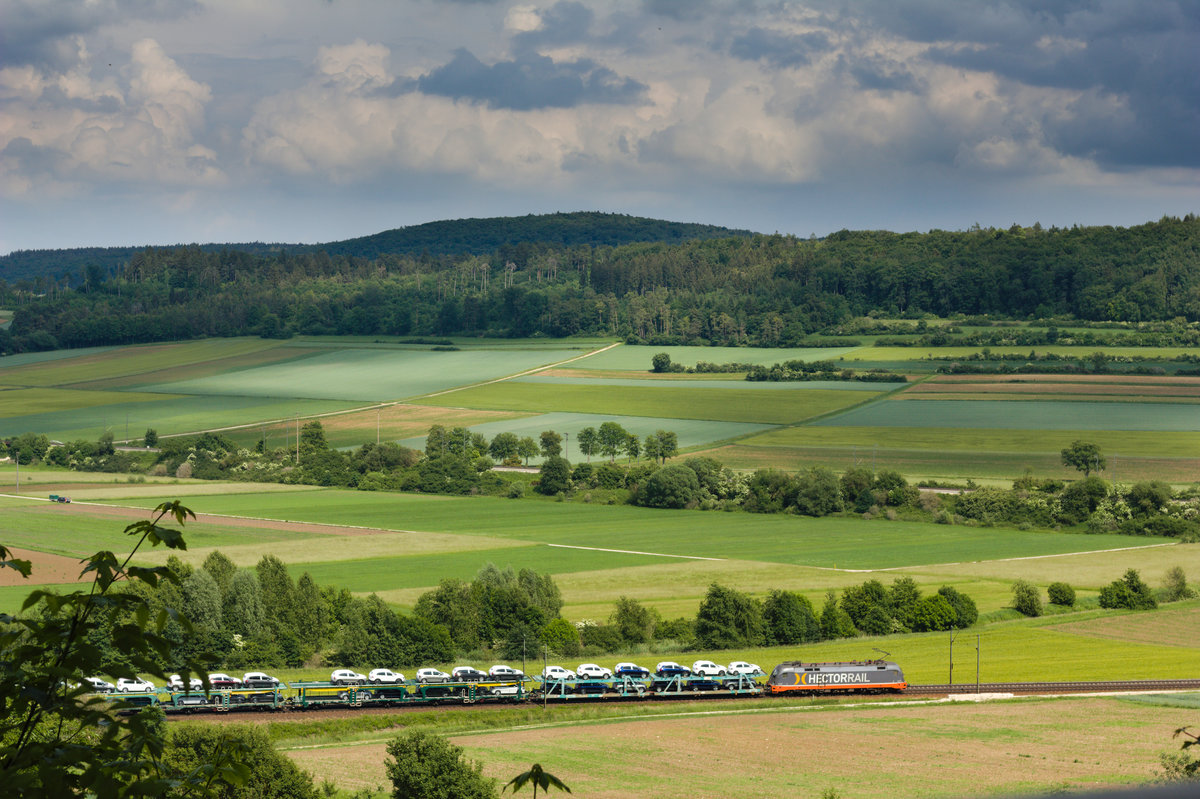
{"points": [[766, 290], [448, 237]]}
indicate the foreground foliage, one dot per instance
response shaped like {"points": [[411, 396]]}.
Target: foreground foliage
{"points": [[58, 739]]}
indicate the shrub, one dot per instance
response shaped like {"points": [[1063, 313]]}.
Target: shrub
{"points": [[1175, 585], [819, 493], [965, 611], [728, 618], [1128, 592], [1061, 594], [273, 776], [426, 766], [790, 619], [933, 613], [610, 476], [1026, 599], [555, 476], [673, 486]]}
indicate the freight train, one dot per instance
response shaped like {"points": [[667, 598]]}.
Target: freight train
{"points": [[793, 677]]}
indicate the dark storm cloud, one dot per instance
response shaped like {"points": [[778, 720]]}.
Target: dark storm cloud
{"points": [[778, 49], [30, 159], [1144, 54], [530, 81], [880, 74], [36, 32]]}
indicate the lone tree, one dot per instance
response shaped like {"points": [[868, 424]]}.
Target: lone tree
{"points": [[1084, 457]]}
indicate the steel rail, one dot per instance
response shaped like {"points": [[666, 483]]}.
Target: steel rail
{"points": [[1103, 686]]}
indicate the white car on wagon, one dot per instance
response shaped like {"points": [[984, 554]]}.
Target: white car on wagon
{"points": [[706, 668], [742, 667], [347, 677], [379, 676]]}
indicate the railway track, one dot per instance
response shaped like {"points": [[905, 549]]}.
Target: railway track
{"points": [[1033, 688]]}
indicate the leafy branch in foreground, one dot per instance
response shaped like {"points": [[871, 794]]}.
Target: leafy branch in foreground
{"points": [[537, 777], [1181, 766], [56, 737]]}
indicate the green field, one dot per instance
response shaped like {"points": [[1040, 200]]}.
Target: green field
{"points": [[678, 401], [105, 363], [367, 375], [638, 357], [992, 440], [901, 354], [8, 362], [167, 415], [847, 543], [413, 571], [1022, 415], [699, 382]]}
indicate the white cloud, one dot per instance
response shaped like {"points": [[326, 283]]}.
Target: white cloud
{"points": [[65, 129], [522, 19]]}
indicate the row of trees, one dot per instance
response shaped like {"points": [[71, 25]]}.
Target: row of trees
{"points": [[763, 290]]}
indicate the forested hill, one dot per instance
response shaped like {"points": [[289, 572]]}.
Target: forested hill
{"points": [[765, 290], [495, 234], [450, 237]]}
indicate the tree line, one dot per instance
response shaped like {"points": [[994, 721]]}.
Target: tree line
{"points": [[741, 290]]}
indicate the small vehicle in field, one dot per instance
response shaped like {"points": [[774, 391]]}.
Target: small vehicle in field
{"points": [[468, 674], [380, 676], [175, 683], [347, 677]]}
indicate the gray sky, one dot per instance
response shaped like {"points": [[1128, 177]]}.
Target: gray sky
{"points": [[166, 121]]}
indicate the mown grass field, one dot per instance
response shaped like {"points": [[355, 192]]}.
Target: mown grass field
{"points": [[923, 751], [674, 401]]}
